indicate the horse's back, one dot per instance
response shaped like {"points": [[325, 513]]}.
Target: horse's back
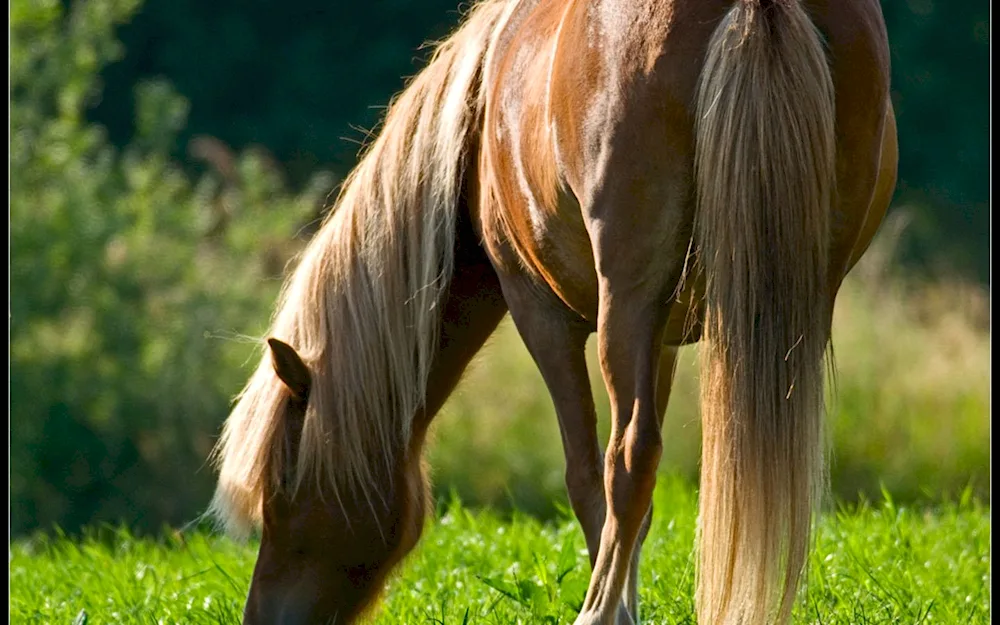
{"points": [[589, 136]]}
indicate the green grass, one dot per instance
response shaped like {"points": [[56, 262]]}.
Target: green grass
{"points": [[874, 563]]}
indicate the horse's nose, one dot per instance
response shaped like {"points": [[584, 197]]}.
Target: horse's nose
{"points": [[292, 604], [279, 611]]}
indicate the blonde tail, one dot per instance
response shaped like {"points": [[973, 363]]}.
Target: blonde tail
{"points": [[765, 151]]}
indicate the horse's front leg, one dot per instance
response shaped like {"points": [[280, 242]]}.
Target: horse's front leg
{"points": [[556, 338]]}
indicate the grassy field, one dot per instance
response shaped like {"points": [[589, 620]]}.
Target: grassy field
{"points": [[909, 415], [874, 563]]}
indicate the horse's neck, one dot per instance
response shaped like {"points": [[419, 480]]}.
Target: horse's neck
{"points": [[473, 308]]}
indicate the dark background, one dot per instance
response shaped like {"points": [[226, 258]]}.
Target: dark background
{"points": [[304, 78]]}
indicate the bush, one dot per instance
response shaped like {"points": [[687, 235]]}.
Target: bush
{"points": [[127, 282]]}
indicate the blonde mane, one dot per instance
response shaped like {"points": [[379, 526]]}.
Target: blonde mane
{"points": [[363, 306]]}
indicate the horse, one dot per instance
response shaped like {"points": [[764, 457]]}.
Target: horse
{"points": [[657, 172]]}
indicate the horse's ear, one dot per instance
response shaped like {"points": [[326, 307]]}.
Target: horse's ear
{"points": [[290, 368]]}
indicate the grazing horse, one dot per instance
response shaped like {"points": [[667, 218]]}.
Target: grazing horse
{"points": [[656, 171]]}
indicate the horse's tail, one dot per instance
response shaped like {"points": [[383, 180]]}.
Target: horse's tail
{"points": [[764, 161]]}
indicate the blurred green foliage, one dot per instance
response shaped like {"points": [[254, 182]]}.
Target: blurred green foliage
{"points": [[144, 249], [121, 270]]}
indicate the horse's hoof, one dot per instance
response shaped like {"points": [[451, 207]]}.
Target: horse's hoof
{"points": [[624, 617], [588, 618], [595, 617]]}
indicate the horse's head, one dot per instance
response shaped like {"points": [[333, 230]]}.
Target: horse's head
{"points": [[325, 556]]}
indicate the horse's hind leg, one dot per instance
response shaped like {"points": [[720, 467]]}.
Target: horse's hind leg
{"points": [[665, 378], [640, 239], [556, 339], [629, 346]]}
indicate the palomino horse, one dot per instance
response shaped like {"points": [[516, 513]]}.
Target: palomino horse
{"points": [[655, 171]]}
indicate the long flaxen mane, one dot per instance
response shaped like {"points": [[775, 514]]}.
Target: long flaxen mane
{"points": [[363, 306]]}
